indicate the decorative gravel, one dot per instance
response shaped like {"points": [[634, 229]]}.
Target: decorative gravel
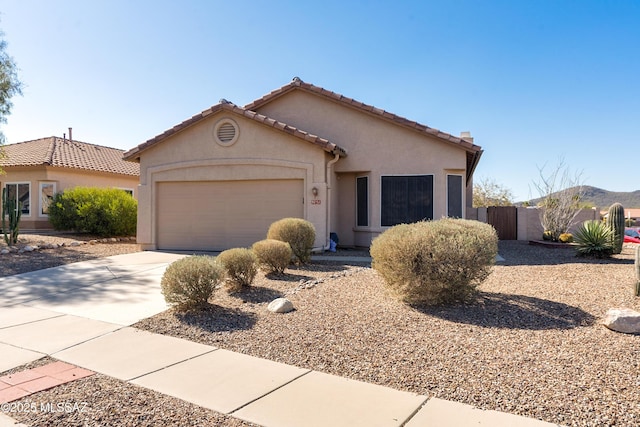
{"points": [[530, 345], [102, 401]]}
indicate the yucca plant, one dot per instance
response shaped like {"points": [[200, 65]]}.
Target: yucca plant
{"points": [[594, 239]]}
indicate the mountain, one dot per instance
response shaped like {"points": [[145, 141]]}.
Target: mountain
{"points": [[603, 198]]}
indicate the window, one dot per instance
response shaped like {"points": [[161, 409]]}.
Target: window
{"points": [[19, 192], [47, 190], [406, 199], [129, 191], [454, 196], [362, 201]]}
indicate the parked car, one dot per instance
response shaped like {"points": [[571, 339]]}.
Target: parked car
{"points": [[631, 235]]}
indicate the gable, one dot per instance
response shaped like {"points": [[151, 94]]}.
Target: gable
{"points": [[205, 118]]}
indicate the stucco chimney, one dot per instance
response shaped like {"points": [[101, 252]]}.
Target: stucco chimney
{"points": [[463, 135], [70, 137]]}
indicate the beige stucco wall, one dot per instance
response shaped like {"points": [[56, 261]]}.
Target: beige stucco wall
{"points": [[260, 152], [375, 148], [63, 178], [529, 227]]}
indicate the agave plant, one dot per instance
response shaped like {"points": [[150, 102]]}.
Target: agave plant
{"points": [[594, 239]]}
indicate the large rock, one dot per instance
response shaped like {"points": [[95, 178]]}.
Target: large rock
{"points": [[280, 305], [622, 320]]}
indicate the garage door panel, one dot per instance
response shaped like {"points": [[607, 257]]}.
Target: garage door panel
{"points": [[216, 215]]}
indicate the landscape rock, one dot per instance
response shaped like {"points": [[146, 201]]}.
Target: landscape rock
{"points": [[76, 243], [29, 248], [4, 251], [280, 305], [622, 320]]}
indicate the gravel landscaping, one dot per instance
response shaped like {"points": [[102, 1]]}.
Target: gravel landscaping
{"points": [[531, 344]]}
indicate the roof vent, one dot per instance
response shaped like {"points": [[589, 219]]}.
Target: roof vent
{"points": [[296, 79], [226, 132], [225, 101]]}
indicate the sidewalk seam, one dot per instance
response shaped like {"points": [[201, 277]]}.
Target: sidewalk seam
{"points": [[270, 392]]}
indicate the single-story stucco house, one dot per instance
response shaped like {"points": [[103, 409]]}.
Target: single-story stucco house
{"points": [[36, 170], [220, 178]]}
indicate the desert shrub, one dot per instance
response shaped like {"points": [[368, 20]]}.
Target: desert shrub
{"points": [[101, 211], [273, 255], [434, 262], [594, 239], [299, 233], [547, 235], [188, 283], [565, 238], [239, 265]]}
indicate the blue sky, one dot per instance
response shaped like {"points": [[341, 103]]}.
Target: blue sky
{"points": [[533, 81]]}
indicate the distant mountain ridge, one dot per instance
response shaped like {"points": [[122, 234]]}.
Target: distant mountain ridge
{"points": [[603, 198]]}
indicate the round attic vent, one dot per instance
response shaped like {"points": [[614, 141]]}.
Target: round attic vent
{"points": [[226, 132]]}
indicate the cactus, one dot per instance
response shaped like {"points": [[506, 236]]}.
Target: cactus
{"points": [[637, 265], [14, 213], [616, 223]]}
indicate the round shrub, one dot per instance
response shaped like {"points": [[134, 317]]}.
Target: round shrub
{"points": [[566, 238], [299, 233], [273, 255], [239, 265], [101, 211], [594, 239], [435, 262], [188, 283]]}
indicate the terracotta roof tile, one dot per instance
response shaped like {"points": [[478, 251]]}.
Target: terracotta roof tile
{"points": [[59, 152], [297, 84], [134, 153]]}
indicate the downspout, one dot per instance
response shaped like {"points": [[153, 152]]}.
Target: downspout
{"points": [[328, 231]]}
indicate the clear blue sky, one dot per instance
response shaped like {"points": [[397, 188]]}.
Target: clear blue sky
{"points": [[532, 80]]}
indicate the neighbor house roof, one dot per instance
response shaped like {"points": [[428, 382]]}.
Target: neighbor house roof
{"points": [[134, 153], [61, 152], [297, 84]]}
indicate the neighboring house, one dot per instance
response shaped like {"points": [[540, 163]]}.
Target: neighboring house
{"points": [[36, 170], [220, 178]]}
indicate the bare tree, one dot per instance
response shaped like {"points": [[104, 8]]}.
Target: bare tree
{"points": [[561, 192], [487, 192]]}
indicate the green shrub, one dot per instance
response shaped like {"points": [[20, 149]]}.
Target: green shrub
{"points": [[565, 238], [594, 239], [273, 255], [547, 235], [188, 283], [299, 233], [435, 262], [239, 265], [101, 211]]}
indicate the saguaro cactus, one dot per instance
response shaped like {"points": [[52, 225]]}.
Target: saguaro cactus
{"points": [[637, 264], [9, 209], [616, 223]]}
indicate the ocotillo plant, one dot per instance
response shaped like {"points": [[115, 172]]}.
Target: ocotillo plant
{"points": [[616, 223], [9, 209]]}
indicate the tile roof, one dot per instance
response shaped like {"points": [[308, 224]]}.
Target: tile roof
{"points": [[297, 84], [59, 152], [325, 144]]}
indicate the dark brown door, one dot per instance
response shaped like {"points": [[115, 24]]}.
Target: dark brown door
{"points": [[505, 220]]}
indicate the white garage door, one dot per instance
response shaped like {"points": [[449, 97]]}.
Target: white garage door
{"points": [[217, 215]]}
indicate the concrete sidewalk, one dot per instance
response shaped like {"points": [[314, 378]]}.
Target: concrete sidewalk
{"points": [[81, 313]]}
